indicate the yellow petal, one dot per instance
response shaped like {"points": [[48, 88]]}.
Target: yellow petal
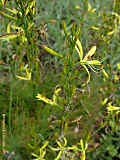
{"points": [[8, 27], [27, 78], [110, 33], [116, 77], [89, 7], [4, 2], [55, 94], [79, 49], [77, 7], [113, 108], [104, 101], [95, 28], [90, 53], [8, 37], [46, 100], [44, 146], [93, 10], [93, 62], [118, 66]]}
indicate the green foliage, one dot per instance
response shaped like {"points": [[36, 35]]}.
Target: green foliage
{"points": [[109, 147]]}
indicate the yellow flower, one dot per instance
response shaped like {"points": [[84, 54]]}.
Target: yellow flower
{"points": [[27, 77], [84, 61], [49, 101], [118, 66]]}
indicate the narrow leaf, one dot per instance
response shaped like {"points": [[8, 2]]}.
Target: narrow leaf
{"points": [[7, 16], [51, 51], [31, 5], [13, 11], [65, 28]]}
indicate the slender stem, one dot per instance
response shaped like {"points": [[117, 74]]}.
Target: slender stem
{"points": [[3, 134], [10, 105]]}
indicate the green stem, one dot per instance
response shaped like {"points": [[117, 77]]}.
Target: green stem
{"points": [[10, 106]]}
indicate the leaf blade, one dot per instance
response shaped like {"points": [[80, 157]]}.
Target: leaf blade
{"points": [[49, 50], [7, 16]]}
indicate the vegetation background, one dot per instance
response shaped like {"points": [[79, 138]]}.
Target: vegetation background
{"points": [[86, 123]]}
